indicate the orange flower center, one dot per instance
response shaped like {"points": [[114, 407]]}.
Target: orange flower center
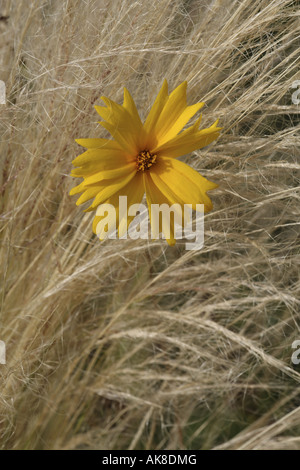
{"points": [[145, 160]]}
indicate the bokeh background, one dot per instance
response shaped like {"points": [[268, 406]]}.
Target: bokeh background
{"points": [[134, 344]]}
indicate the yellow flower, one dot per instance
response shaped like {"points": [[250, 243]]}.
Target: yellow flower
{"points": [[142, 158]]}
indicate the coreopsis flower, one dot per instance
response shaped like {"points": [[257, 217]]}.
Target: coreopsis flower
{"points": [[143, 158]]}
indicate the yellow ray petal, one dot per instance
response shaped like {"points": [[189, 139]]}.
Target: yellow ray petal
{"points": [[165, 188], [89, 170], [130, 107], [179, 124], [134, 191], [168, 193], [155, 196], [123, 122], [173, 108], [98, 143], [157, 108], [113, 112], [192, 129], [122, 134], [90, 193], [188, 142], [108, 169], [77, 189], [110, 174], [184, 182], [105, 157], [137, 128], [125, 115], [119, 123], [110, 187]]}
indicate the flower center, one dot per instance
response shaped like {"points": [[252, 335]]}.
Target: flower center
{"points": [[145, 160]]}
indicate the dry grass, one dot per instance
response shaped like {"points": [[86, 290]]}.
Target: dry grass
{"points": [[133, 344]]}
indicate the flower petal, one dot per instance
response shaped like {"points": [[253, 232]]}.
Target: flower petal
{"points": [[90, 193], [98, 143], [179, 124], [156, 109], [155, 196], [173, 108], [102, 190], [130, 107], [109, 188], [188, 142], [185, 183], [134, 191], [123, 122], [110, 174], [77, 189], [104, 157], [167, 192], [137, 126], [119, 123]]}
